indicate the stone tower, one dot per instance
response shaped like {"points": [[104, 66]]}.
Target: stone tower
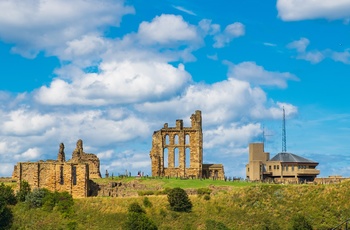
{"points": [[178, 151]]}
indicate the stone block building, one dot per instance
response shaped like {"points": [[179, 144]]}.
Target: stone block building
{"points": [[60, 175], [178, 151], [284, 167]]}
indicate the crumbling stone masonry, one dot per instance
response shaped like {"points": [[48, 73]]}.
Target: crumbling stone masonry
{"points": [[178, 151], [60, 175]]}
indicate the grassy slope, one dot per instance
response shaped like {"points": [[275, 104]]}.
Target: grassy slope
{"points": [[242, 207]]}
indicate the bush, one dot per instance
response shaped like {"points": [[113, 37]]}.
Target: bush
{"points": [[24, 190], [136, 208], [64, 203], [35, 198], [139, 221], [6, 193], [6, 215], [147, 203], [206, 197], [299, 222], [203, 191], [179, 201]]}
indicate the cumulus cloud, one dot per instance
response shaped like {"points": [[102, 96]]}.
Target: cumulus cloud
{"points": [[39, 25], [231, 136], [25, 122], [117, 83], [231, 31], [167, 29], [228, 100], [251, 72], [300, 46], [343, 57], [294, 10]]}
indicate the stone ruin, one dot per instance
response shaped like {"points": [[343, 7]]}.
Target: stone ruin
{"points": [[178, 152], [60, 175]]}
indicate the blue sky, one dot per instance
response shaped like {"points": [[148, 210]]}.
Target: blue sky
{"points": [[112, 72]]}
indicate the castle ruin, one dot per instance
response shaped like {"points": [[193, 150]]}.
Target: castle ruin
{"points": [[60, 175], [178, 151]]}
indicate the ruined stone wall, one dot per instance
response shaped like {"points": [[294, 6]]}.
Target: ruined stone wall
{"points": [[54, 176], [173, 143], [79, 156]]}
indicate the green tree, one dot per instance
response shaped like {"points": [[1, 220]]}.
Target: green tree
{"points": [[179, 201], [299, 222], [136, 208], [24, 190]]}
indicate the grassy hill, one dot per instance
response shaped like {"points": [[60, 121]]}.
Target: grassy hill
{"points": [[236, 205]]}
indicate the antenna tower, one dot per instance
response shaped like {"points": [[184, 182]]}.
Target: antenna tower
{"points": [[284, 138]]}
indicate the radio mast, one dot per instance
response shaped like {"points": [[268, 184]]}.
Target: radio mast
{"points": [[284, 138]]}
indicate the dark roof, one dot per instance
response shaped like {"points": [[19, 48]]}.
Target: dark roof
{"points": [[290, 157]]}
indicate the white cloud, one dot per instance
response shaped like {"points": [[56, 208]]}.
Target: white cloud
{"points": [[231, 31], [257, 75], [47, 25], [294, 10], [300, 45], [117, 83], [184, 10], [25, 122], [167, 29], [30, 154], [343, 57], [232, 136]]}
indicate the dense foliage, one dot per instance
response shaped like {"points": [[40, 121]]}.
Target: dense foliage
{"points": [[179, 201], [253, 206], [136, 219], [7, 197], [24, 190]]}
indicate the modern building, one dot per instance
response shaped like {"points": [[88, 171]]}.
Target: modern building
{"points": [[282, 167]]}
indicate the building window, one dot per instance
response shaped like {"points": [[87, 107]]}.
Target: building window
{"points": [[248, 169], [274, 167], [74, 175], [292, 167], [278, 167], [61, 175], [286, 167], [269, 167]]}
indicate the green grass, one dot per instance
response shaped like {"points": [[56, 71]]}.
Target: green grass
{"points": [[176, 182], [247, 206]]}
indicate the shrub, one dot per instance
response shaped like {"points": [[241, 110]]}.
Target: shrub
{"points": [[6, 193], [24, 190], [299, 222], [203, 191], [214, 225], [139, 221], [136, 208], [147, 203], [35, 198], [206, 197], [6, 215], [64, 203], [179, 201]]}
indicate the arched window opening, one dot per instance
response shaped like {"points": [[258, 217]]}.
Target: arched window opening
{"points": [[187, 139], [165, 158], [176, 139], [167, 139], [176, 157], [188, 157]]}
